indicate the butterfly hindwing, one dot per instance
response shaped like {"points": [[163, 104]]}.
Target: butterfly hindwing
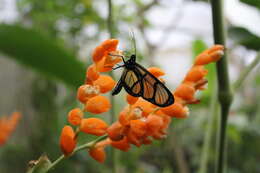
{"points": [[153, 89]]}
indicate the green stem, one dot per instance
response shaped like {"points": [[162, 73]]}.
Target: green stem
{"points": [[209, 131], [224, 90], [110, 26], [245, 73], [81, 147]]}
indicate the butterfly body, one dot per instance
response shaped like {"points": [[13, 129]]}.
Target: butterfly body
{"points": [[139, 82]]}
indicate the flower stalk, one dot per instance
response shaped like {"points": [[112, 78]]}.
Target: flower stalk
{"points": [[224, 89], [79, 148]]}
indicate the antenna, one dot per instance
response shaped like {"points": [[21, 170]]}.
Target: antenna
{"points": [[133, 39]]}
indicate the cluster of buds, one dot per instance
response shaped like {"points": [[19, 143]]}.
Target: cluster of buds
{"points": [[7, 126], [140, 122]]}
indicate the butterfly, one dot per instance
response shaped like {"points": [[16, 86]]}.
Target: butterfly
{"points": [[139, 82]]}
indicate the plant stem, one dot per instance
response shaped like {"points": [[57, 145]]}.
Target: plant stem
{"points": [[224, 90], [110, 26], [245, 73], [82, 147], [211, 118]]}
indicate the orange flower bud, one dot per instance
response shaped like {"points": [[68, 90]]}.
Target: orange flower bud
{"points": [[138, 127], [106, 83], [98, 154], [157, 72], [92, 73], [112, 59], [146, 106], [154, 124], [211, 55], [75, 116], [176, 110], [215, 48], [202, 59], [98, 104], [7, 126], [67, 140], [110, 45], [215, 56], [103, 67], [121, 145], [124, 117], [196, 73], [87, 91], [93, 126], [98, 53], [185, 91], [115, 131], [131, 99]]}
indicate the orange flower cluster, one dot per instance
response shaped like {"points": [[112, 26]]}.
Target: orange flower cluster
{"points": [[7, 126], [140, 121], [89, 94]]}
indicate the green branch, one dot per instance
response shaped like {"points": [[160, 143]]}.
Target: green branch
{"points": [[224, 90], [79, 148], [245, 73]]}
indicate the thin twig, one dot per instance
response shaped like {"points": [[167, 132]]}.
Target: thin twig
{"points": [[82, 147], [245, 73]]}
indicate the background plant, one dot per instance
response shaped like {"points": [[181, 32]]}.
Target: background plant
{"points": [[49, 30]]}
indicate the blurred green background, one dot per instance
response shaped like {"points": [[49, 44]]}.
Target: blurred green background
{"points": [[45, 47]]}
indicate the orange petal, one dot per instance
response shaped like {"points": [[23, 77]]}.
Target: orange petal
{"points": [[196, 73], [138, 127], [102, 66], [110, 45], [185, 91], [115, 131], [67, 140], [105, 83], [145, 106], [92, 73], [154, 124], [113, 59], [8, 125], [176, 110], [157, 72], [93, 126], [98, 53], [97, 105], [124, 117], [215, 48], [131, 99], [98, 154], [121, 145], [87, 91], [75, 116]]}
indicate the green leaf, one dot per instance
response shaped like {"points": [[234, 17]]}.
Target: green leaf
{"points": [[255, 3], [43, 54], [39, 166], [244, 37], [198, 46]]}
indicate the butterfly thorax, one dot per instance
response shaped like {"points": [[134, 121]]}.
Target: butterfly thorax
{"points": [[130, 64]]}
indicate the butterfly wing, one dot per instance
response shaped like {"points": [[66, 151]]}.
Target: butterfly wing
{"points": [[153, 90], [130, 80]]}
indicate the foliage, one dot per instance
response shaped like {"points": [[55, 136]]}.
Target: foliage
{"points": [[29, 47], [244, 37]]}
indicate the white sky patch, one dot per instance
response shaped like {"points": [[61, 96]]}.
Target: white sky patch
{"points": [[8, 11], [240, 14]]}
